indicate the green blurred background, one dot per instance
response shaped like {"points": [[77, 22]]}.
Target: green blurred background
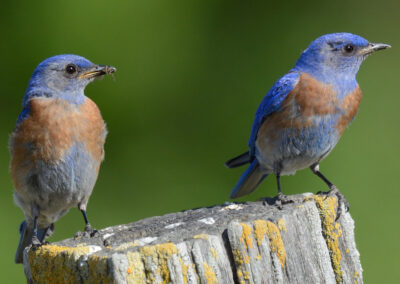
{"points": [[190, 77]]}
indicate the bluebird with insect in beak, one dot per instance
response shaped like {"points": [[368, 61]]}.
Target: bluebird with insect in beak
{"points": [[57, 146], [304, 114]]}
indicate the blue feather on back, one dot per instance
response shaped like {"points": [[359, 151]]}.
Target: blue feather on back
{"points": [[271, 103]]}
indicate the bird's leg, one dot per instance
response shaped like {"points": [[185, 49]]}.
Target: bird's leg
{"points": [[88, 227], [35, 240], [88, 231], [278, 182], [333, 190], [47, 233], [281, 198], [315, 169]]}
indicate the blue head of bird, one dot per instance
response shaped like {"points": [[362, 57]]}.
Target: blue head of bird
{"points": [[337, 57], [64, 76]]}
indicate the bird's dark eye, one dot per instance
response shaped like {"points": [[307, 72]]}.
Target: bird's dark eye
{"points": [[348, 48], [70, 69]]}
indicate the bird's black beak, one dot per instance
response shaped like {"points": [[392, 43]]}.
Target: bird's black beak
{"points": [[372, 47], [96, 71]]}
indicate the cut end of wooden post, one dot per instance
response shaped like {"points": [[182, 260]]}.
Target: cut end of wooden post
{"points": [[252, 242]]}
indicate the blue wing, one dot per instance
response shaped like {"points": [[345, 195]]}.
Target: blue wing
{"points": [[271, 103]]}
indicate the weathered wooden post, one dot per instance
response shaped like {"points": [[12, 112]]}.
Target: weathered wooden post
{"points": [[254, 242]]}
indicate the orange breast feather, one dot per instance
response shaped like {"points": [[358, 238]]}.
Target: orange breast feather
{"points": [[51, 129], [307, 99]]}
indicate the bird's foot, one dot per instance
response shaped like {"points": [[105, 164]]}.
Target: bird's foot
{"points": [[91, 232], [282, 199], [49, 231], [88, 232], [35, 244], [342, 201]]}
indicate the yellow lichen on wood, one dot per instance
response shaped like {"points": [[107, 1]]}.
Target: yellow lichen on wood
{"points": [[241, 258], [185, 269], [135, 271], [210, 276], [201, 236], [282, 225], [55, 264], [355, 277], [214, 253], [246, 275], [264, 228], [276, 243], [98, 269], [125, 246], [331, 230], [240, 277], [238, 257], [158, 255], [260, 230], [246, 236]]}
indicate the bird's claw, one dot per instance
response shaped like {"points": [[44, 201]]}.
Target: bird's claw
{"points": [[36, 243], [92, 233], [88, 232], [282, 199], [342, 201]]}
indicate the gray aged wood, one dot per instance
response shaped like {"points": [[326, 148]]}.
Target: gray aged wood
{"points": [[254, 242]]}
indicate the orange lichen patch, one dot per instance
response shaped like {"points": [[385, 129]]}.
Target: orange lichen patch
{"points": [[265, 228], [51, 129], [349, 106], [331, 231], [210, 276], [57, 264], [282, 225], [135, 271], [201, 236], [158, 255], [246, 236]]}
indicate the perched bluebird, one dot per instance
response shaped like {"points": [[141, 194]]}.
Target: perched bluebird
{"points": [[304, 114], [57, 146]]}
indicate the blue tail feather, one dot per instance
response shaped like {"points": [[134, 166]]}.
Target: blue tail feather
{"points": [[25, 239], [249, 180]]}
